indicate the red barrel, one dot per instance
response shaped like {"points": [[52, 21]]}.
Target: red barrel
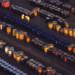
{"points": [[5, 3]]}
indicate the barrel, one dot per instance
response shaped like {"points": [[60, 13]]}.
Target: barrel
{"points": [[50, 25], [35, 13], [8, 29], [54, 24], [39, 70], [66, 25], [18, 57], [25, 33], [58, 28], [51, 45], [66, 31], [73, 32], [70, 32], [69, 48], [48, 69], [12, 48], [53, 71], [6, 49], [46, 47], [10, 52], [21, 36], [20, 53], [61, 30], [22, 17], [23, 58], [27, 18], [73, 50], [5, 4], [73, 10], [17, 35], [1, 26], [27, 39], [14, 32], [14, 54]]}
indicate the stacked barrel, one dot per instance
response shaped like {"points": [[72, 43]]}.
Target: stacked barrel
{"points": [[25, 13], [62, 29], [36, 66], [71, 48], [52, 8], [51, 50], [11, 30]]}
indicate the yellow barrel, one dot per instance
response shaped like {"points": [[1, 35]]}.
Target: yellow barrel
{"points": [[21, 36], [22, 17], [8, 29], [10, 52], [74, 50], [35, 13], [21, 53], [50, 25], [14, 55], [27, 18], [70, 32], [54, 24], [46, 47], [17, 35], [1, 27], [66, 31], [18, 57], [73, 32], [69, 48], [14, 32], [58, 28]]}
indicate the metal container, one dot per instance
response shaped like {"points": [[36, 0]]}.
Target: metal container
{"points": [[6, 49], [50, 26], [66, 31], [73, 50], [10, 52], [17, 35], [14, 32], [18, 57], [27, 39], [58, 28], [21, 36], [73, 32], [70, 32], [8, 29], [1, 26], [54, 24], [69, 48], [22, 16]]}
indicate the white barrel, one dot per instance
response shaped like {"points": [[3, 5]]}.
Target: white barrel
{"points": [[12, 48], [6, 49]]}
